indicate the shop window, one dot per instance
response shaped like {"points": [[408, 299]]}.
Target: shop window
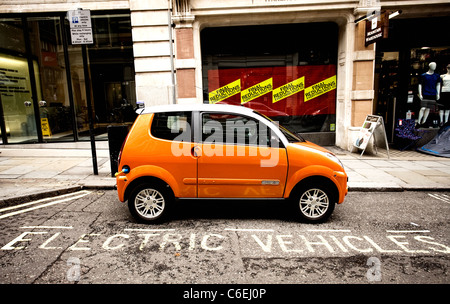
{"points": [[111, 70], [11, 35], [286, 72], [400, 61], [17, 119], [111, 64], [60, 96], [54, 103]]}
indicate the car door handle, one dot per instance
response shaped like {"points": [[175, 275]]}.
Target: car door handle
{"points": [[196, 151]]}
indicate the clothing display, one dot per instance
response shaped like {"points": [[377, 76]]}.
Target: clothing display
{"points": [[445, 92], [445, 100], [428, 82]]}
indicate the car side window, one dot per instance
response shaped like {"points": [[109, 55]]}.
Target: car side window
{"points": [[172, 126], [235, 129]]}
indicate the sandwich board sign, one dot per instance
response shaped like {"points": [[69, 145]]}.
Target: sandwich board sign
{"points": [[80, 26], [372, 124]]}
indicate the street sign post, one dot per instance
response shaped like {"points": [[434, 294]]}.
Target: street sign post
{"points": [[80, 26], [81, 34]]}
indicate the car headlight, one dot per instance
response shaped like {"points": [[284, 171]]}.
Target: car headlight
{"points": [[335, 159]]}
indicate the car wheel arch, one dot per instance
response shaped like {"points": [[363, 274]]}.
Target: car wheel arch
{"points": [[314, 180], [146, 179]]}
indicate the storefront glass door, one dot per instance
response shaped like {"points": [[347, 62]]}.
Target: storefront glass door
{"points": [[54, 105], [111, 67], [16, 103], [79, 92]]}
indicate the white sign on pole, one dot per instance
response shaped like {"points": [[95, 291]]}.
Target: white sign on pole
{"points": [[82, 36], [80, 26]]}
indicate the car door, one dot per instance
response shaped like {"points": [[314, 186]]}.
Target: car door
{"points": [[239, 157], [171, 151]]}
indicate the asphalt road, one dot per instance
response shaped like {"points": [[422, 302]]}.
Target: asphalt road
{"points": [[90, 237]]}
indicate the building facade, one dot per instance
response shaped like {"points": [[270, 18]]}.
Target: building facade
{"points": [[304, 63]]}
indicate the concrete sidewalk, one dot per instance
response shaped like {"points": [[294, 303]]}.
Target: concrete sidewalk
{"points": [[402, 171], [29, 172]]}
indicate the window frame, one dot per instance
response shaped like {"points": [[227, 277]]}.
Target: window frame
{"points": [[199, 130], [189, 116]]}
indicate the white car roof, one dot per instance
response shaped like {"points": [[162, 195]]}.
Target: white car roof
{"points": [[195, 107]]}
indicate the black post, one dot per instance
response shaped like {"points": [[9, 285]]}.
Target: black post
{"points": [[34, 94], [2, 123], [87, 83]]}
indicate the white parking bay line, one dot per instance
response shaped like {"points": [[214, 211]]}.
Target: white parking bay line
{"points": [[46, 227], [80, 195], [271, 230], [442, 197], [408, 231], [329, 230], [43, 200], [249, 230], [147, 230]]}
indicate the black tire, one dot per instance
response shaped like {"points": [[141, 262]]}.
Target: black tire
{"points": [[313, 203], [149, 203]]}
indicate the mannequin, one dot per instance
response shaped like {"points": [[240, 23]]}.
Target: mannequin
{"points": [[429, 90], [445, 96]]}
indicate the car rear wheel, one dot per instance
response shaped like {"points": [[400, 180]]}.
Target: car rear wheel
{"points": [[313, 203], [149, 203]]}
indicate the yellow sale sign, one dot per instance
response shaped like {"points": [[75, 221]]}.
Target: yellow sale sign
{"points": [[320, 88], [256, 91], [225, 91]]}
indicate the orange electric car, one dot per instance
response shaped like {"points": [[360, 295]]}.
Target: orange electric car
{"points": [[222, 151]]}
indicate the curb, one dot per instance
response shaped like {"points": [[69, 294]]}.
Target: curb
{"points": [[396, 189], [376, 189], [8, 202]]}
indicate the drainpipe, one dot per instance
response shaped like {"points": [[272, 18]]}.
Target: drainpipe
{"points": [[172, 69]]}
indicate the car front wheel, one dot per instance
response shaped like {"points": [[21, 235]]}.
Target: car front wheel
{"points": [[149, 203], [313, 203]]}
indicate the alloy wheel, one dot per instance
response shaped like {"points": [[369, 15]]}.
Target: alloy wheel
{"points": [[149, 203], [314, 203]]}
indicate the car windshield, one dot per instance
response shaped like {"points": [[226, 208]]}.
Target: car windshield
{"points": [[290, 136]]}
